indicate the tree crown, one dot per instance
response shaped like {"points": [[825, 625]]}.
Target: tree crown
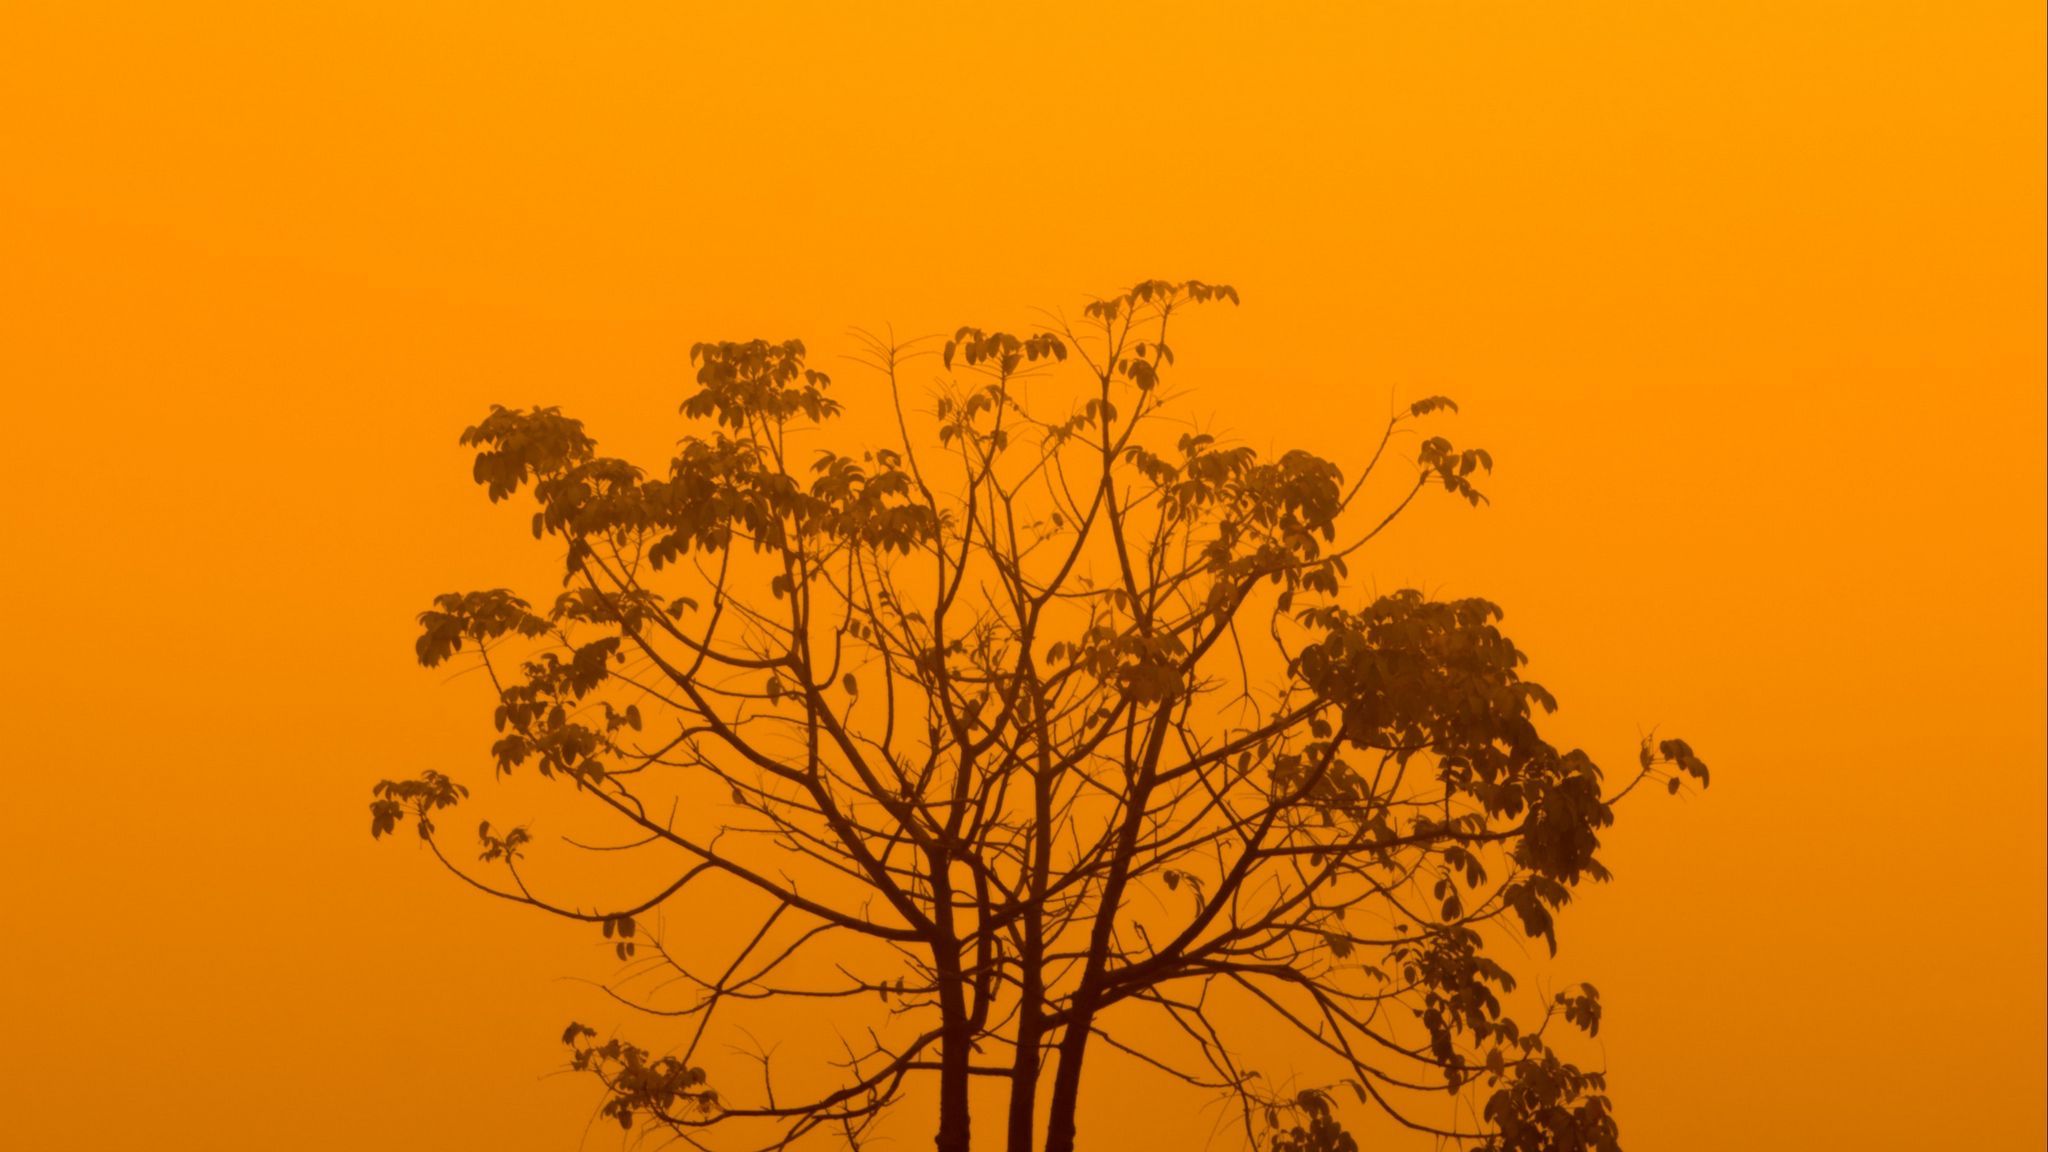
{"points": [[1029, 729]]}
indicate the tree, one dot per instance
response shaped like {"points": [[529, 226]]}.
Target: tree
{"points": [[1023, 732]]}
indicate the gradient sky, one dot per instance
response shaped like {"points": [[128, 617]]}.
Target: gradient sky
{"points": [[1746, 299]]}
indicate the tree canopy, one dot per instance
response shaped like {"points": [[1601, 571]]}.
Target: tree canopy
{"points": [[1047, 727]]}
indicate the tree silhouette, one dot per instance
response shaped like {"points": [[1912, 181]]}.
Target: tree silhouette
{"points": [[1032, 733]]}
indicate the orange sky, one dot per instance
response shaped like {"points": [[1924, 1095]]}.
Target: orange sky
{"points": [[1745, 298]]}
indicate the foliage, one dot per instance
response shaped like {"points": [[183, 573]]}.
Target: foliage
{"points": [[1031, 730]]}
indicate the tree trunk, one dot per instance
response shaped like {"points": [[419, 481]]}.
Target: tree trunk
{"points": [[955, 1128], [1066, 1085], [1031, 960], [1030, 1035], [957, 1030]]}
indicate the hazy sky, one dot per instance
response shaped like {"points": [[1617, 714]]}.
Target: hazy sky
{"points": [[1746, 299]]}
